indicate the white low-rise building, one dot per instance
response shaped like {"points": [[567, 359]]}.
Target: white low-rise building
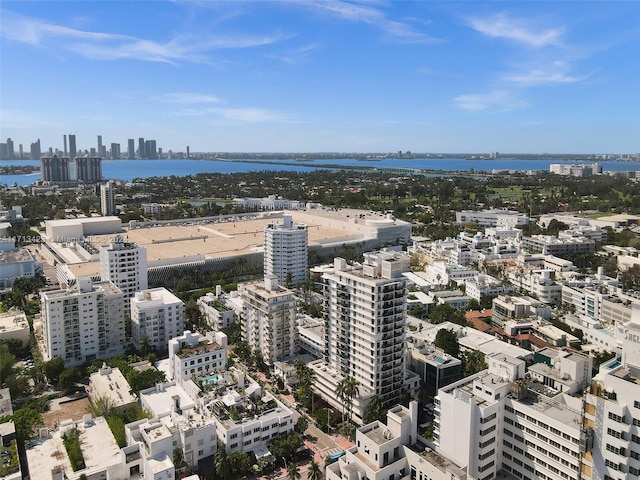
{"points": [[109, 383], [484, 286], [246, 418], [196, 356], [177, 421], [14, 326], [48, 459], [492, 218], [216, 313]]}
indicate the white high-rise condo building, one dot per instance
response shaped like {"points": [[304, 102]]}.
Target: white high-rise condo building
{"points": [[84, 322], [108, 199], [157, 315], [124, 264], [269, 319], [365, 320], [612, 411], [285, 251]]}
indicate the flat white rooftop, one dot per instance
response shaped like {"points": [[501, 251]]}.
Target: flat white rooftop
{"points": [[99, 450], [468, 337]]}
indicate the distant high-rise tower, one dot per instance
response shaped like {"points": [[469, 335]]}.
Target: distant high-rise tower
{"points": [[131, 149], [141, 151], [64, 139], [54, 169], [115, 151], [6, 150], [20, 151], [36, 152], [150, 149], [285, 251], [124, 264], [188, 154], [10, 149], [88, 169], [99, 144], [72, 147], [108, 198]]}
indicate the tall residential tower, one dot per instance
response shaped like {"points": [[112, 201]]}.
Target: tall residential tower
{"points": [[285, 251], [365, 320]]}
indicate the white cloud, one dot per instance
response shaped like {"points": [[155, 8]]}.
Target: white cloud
{"points": [[188, 98], [556, 73], [502, 25], [250, 115], [108, 46], [365, 12], [501, 100]]}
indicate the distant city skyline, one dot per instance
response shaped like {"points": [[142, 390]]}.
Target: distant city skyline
{"points": [[322, 76]]}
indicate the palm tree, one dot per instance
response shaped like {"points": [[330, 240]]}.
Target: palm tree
{"points": [[178, 458], [340, 392], [222, 464], [314, 472], [351, 391], [293, 472]]}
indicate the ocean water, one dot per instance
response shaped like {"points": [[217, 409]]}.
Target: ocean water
{"points": [[130, 169]]}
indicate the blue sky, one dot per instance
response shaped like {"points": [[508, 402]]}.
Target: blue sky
{"points": [[323, 75]]}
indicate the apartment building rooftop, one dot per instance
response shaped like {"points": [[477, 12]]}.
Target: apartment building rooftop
{"points": [[110, 383], [442, 463], [99, 450], [203, 346]]}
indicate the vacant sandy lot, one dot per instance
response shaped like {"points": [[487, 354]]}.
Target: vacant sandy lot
{"points": [[59, 412]]}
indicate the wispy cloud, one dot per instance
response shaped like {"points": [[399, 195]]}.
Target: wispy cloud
{"points": [[370, 13], [250, 115], [240, 114], [556, 73], [186, 98], [502, 25], [501, 100], [110, 46], [296, 55]]}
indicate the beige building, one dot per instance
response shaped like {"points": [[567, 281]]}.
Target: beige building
{"points": [[269, 319]]}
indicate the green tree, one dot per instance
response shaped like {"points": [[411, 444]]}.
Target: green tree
{"points": [[7, 361], [178, 458], [25, 420], [145, 346], [143, 380], [293, 472], [18, 385], [352, 390], [301, 424], [101, 406], [314, 472], [69, 377], [116, 424], [222, 464], [340, 392], [53, 368], [473, 362], [240, 463], [447, 340], [630, 278], [446, 313], [374, 410]]}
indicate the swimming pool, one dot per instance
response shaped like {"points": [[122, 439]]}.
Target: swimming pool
{"points": [[209, 379]]}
